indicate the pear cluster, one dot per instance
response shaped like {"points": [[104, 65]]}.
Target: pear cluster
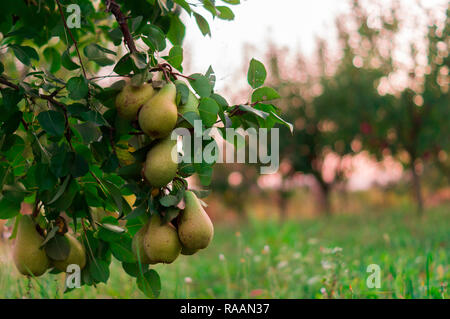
{"points": [[162, 242], [157, 115], [30, 257]]}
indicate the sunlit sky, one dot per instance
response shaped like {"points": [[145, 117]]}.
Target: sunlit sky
{"points": [[293, 24]]}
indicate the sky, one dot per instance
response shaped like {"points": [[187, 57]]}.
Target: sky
{"points": [[287, 23], [290, 24]]}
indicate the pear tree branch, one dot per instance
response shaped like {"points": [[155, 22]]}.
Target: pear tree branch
{"points": [[114, 8]]}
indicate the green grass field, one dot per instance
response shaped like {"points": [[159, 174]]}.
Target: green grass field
{"points": [[316, 258]]}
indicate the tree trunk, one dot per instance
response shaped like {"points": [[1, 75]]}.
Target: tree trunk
{"points": [[417, 189], [282, 199], [324, 199]]}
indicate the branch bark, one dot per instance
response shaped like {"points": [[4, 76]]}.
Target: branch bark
{"points": [[114, 8]]}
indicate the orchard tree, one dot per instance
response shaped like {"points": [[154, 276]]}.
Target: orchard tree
{"points": [[94, 161], [331, 102], [411, 124]]}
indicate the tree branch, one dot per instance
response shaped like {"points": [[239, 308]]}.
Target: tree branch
{"points": [[114, 8]]}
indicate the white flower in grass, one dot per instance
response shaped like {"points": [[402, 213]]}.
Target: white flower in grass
{"points": [[221, 257], [188, 280]]}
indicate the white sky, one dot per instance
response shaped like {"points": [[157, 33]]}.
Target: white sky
{"points": [[293, 24]]}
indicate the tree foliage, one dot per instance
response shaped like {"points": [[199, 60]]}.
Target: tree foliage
{"points": [[63, 148]]}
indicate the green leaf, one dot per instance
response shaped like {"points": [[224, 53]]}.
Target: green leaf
{"points": [[96, 53], [169, 200], [9, 208], [184, 5], [264, 94], [80, 166], [77, 87], [124, 66], [176, 31], [60, 191], [182, 93], [149, 283], [99, 270], [122, 251], [256, 74], [134, 269], [155, 36], [204, 172], [65, 201], [250, 109], [202, 24], [225, 13], [208, 109], [175, 57], [233, 2], [52, 122], [200, 84], [24, 53], [54, 57], [67, 62], [58, 248]]}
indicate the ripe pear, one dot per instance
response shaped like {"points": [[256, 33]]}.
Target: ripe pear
{"points": [[131, 98], [29, 258], [161, 243], [158, 116], [195, 229], [138, 245], [77, 255], [159, 168]]}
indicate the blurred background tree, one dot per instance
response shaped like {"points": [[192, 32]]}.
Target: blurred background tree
{"points": [[357, 97]]}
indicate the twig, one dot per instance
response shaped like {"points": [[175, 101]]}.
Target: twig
{"points": [[71, 36], [114, 8]]}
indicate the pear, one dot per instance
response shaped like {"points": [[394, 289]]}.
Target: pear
{"points": [[159, 168], [77, 255], [161, 243], [195, 229], [158, 116], [138, 245], [29, 258], [131, 98]]}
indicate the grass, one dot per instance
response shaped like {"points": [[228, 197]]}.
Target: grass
{"points": [[314, 258]]}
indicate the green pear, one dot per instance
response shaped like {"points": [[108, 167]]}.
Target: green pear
{"points": [[161, 243], [187, 251], [159, 168], [195, 229], [131, 98], [29, 258], [77, 255], [159, 115], [138, 245]]}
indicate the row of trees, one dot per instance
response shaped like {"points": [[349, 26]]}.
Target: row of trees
{"points": [[350, 102], [358, 107]]}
